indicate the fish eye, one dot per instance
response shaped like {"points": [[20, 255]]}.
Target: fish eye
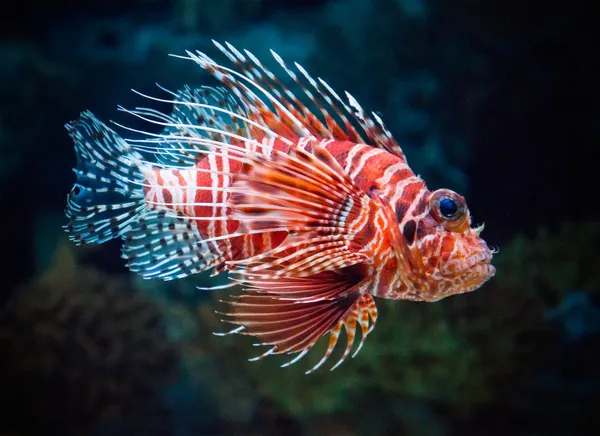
{"points": [[448, 208]]}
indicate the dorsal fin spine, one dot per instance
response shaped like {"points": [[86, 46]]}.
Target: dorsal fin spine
{"points": [[244, 119], [251, 71], [205, 61]]}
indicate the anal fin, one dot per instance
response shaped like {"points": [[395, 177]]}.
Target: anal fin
{"points": [[162, 244]]}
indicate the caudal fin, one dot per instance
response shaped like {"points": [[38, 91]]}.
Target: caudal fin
{"points": [[108, 194]]}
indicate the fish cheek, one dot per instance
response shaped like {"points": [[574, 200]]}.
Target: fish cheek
{"points": [[448, 244]]}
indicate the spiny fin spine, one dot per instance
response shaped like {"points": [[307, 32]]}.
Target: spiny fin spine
{"points": [[285, 113]]}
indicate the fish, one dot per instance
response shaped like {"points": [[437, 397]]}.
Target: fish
{"points": [[306, 202]]}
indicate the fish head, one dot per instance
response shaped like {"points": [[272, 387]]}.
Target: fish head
{"points": [[449, 254]]}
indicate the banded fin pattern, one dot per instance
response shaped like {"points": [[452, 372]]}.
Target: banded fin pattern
{"points": [[167, 247], [285, 113], [292, 324], [363, 312], [309, 196], [200, 118], [107, 195]]}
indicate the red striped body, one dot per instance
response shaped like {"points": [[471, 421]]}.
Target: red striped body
{"points": [[371, 169]]}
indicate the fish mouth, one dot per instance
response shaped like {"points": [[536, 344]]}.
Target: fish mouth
{"points": [[484, 257], [478, 263]]}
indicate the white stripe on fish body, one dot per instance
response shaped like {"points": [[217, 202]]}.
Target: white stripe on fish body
{"points": [[177, 187], [396, 285], [409, 215], [398, 191], [189, 192], [350, 159], [390, 171], [219, 196], [378, 238], [358, 166], [305, 141], [154, 192], [268, 145], [214, 183]]}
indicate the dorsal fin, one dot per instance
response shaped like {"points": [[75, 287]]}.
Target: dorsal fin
{"points": [[200, 118], [253, 68], [286, 114], [200, 106]]}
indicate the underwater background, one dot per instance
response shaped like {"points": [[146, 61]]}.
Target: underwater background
{"points": [[496, 99]]}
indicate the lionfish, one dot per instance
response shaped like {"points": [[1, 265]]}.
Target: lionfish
{"points": [[308, 203]]}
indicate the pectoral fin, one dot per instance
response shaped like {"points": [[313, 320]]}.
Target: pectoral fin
{"points": [[290, 314]]}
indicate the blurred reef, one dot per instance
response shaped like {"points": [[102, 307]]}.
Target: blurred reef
{"points": [[81, 349], [91, 353], [490, 98], [429, 365]]}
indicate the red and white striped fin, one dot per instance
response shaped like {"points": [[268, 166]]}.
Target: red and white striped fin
{"points": [[252, 68], [294, 326], [352, 132], [320, 286], [309, 196], [364, 312], [377, 132], [277, 117], [285, 113]]}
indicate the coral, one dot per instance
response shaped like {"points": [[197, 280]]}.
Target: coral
{"points": [[555, 262], [79, 349]]}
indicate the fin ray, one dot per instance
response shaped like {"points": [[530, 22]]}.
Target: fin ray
{"points": [[289, 116], [294, 326], [321, 226], [168, 247], [107, 195]]}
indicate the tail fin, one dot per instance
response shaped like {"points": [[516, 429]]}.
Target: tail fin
{"points": [[108, 194]]}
